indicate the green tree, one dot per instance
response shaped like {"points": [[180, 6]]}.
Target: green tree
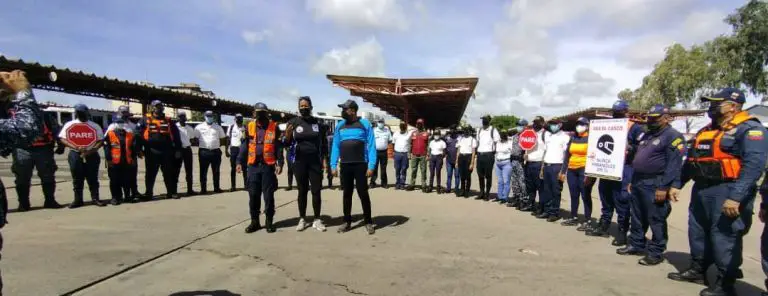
{"points": [[750, 36], [504, 122], [625, 94], [197, 116]]}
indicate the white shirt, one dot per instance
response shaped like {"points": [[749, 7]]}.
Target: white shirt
{"points": [[437, 147], [486, 139], [128, 126], [556, 145], [186, 133], [210, 135], [504, 150], [383, 138], [537, 153], [235, 135], [402, 141], [466, 145], [64, 135]]}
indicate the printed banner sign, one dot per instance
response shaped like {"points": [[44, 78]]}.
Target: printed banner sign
{"points": [[606, 148]]}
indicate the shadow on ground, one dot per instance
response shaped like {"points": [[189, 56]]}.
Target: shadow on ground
{"points": [[682, 261], [206, 293]]}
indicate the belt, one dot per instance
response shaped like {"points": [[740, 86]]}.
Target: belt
{"points": [[210, 149], [551, 164], [486, 153]]}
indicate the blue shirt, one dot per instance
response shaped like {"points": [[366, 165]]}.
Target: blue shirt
{"points": [[354, 143], [661, 153], [450, 148], [634, 135]]}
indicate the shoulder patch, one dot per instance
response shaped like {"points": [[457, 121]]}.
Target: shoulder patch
{"points": [[677, 142], [680, 147], [755, 135]]}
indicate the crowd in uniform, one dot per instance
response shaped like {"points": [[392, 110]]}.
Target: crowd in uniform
{"points": [[724, 160]]}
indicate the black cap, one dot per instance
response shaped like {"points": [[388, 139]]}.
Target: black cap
{"points": [[81, 108], [349, 104], [260, 107]]}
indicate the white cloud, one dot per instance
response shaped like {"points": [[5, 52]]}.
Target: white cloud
{"points": [[362, 59], [586, 84], [375, 14], [207, 76], [253, 37]]}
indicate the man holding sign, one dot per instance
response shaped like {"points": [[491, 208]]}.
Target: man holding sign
{"points": [[84, 138]]}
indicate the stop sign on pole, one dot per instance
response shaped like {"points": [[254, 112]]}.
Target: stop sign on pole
{"points": [[81, 135], [528, 139]]}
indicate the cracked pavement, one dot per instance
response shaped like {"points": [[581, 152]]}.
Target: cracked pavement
{"points": [[425, 245]]}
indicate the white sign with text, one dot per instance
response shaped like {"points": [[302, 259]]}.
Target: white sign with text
{"points": [[606, 148]]}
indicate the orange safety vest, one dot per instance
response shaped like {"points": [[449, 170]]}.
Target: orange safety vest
{"points": [[710, 161], [44, 139], [114, 150], [157, 126], [269, 143]]}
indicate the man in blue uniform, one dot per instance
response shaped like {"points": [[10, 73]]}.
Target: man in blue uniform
{"points": [[19, 130], [724, 190], [355, 145], [614, 195], [657, 166], [764, 237]]}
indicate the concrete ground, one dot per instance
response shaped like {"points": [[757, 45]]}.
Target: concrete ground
{"points": [[426, 244]]}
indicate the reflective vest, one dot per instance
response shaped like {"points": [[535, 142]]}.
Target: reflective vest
{"points": [[269, 143], [578, 153], [157, 127], [45, 138], [710, 162], [115, 149]]}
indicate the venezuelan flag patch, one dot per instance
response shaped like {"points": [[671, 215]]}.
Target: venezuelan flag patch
{"points": [[755, 135], [680, 147]]}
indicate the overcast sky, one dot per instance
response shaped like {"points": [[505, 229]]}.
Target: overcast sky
{"points": [[547, 57]]}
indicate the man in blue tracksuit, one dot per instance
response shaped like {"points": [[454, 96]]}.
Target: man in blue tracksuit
{"points": [[657, 166], [355, 145], [724, 189], [614, 195]]}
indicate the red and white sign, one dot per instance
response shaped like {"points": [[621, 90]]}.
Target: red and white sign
{"points": [[81, 135], [528, 139]]}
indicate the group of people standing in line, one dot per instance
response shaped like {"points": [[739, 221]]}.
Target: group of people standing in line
{"points": [[725, 160]]}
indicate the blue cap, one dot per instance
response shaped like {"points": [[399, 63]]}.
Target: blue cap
{"points": [[156, 103], [209, 113], [620, 105], [260, 107], [118, 118], [81, 108], [123, 109], [658, 110], [582, 120], [522, 122], [727, 94]]}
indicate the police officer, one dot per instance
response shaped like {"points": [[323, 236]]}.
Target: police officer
{"points": [[19, 130], [355, 145], [187, 135], [764, 236], [614, 195], [657, 166], [261, 150], [724, 190], [235, 134], [128, 125], [120, 154], [209, 153], [38, 155], [83, 161], [159, 140]]}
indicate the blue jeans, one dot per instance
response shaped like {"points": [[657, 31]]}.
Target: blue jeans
{"points": [[401, 167], [452, 173], [503, 173]]}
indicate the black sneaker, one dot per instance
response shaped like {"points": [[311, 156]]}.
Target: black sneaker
{"points": [[269, 226], [690, 275], [52, 205], [253, 227], [542, 215], [585, 226], [630, 251], [371, 228], [99, 203], [76, 204], [553, 218], [115, 202], [573, 221], [344, 228], [24, 207], [650, 261]]}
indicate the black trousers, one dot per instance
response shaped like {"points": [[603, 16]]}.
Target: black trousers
{"points": [[464, 173], [120, 181], [84, 171], [186, 160], [485, 161], [212, 158], [289, 164], [262, 181], [309, 177], [233, 161], [160, 160], [381, 164], [353, 177], [329, 173]]}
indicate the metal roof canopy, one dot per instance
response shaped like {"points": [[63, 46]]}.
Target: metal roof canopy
{"points": [[439, 101], [92, 85], [569, 120]]}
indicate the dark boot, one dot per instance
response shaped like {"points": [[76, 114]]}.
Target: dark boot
{"points": [[439, 190], [268, 225], [78, 202], [24, 206], [51, 204], [630, 251], [116, 201], [721, 287], [620, 240], [600, 230], [254, 226], [694, 274], [97, 202]]}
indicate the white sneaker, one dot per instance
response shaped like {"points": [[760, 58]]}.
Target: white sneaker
{"points": [[318, 224], [302, 225]]}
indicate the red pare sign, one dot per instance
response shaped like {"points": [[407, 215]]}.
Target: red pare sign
{"points": [[81, 135], [528, 139]]}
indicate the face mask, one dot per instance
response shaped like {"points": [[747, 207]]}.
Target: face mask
{"points": [[209, 120], [537, 126], [380, 125], [420, 126], [262, 116], [239, 120], [554, 128], [581, 128], [714, 112], [345, 116], [518, 129], [305, 112], [82, 116], [436, 137], [619, 115]]}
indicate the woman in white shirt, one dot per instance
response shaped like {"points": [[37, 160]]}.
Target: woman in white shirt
{"points": [[465, 158], [504, 166], [436, 155]]}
